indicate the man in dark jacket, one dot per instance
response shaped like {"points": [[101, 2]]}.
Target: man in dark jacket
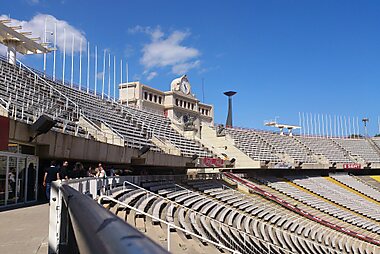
{"points": [[63, 173], [51, 174]]}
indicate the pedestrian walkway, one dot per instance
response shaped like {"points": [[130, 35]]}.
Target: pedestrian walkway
{"points": [[24, 230]]}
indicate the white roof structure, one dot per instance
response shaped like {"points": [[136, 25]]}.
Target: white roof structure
{"points": [[24, 45], [283, 126]]}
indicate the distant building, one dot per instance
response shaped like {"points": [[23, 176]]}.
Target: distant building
{"points": [[179, 104]]}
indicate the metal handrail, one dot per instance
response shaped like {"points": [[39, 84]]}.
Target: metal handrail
{"points": [[170, 225], [97, 230], [196, 212], [112, 129], [51, 86]]}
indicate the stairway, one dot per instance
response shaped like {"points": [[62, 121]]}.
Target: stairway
{"points": [[225, 146]]}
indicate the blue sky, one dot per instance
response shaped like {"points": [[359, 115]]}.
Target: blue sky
{"points": [[282, 57]]}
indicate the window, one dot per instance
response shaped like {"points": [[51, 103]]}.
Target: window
{"points": [[155, 98], [150, 97], [176, 102], [192, 106], [145, 95], [184, 104], [160, 100]]}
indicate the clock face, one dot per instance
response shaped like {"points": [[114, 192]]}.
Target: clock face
{"points": [[185, 86]]}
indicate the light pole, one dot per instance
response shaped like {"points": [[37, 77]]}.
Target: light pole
{"points": [[365, 120]]}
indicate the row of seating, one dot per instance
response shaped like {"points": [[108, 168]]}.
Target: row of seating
{"points": [[288, 221], [320, 204], [247, 224], [269, 146], [328, 190], [357, 185]]}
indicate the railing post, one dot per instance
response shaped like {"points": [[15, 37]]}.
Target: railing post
{"points": [[54, 218], [168, 237], [244, 241]]}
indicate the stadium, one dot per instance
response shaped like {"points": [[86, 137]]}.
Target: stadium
{"points": [[178, 181]]}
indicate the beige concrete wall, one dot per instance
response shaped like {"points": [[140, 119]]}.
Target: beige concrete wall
{"points": [[58, 145]]}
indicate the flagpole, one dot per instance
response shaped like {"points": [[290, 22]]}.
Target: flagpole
{"points": [[55, 49], [114, 78], [44, 46], [127, 83], [72, 61], [303, 123], [109, 76], [80, 64], [357, 125], [104, 69], [299, 122], [96, 69], [121, 75], [121, 71], [64, 56], [349, 127], [323, 126], [331, 132], [88, 67]]}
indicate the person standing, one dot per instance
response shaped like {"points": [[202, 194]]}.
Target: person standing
{"points": [[64, 173], [101, 173], [51, 174]]}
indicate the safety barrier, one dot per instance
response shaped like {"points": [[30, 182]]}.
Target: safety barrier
{"points": [[77, 224]]}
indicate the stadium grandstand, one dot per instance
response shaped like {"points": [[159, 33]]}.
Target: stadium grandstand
{"points": [[179, 182]]}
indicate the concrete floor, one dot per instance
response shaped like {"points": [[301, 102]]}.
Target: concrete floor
{"points": [[24, 230]]}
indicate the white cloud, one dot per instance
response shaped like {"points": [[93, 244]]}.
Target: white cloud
{"points": [[167, 51], [37, 26], [182, 68], [151, 75]]}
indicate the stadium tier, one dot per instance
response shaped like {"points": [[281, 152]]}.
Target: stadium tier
{"points": [[211, 215], [297, 150], [26, 95]]}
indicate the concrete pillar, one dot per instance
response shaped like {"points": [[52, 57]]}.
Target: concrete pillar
{"points": [[12, 52]]}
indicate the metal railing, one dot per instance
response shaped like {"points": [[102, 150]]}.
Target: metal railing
{"points": [[73, 229], [169, 225], [268, 245]]}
